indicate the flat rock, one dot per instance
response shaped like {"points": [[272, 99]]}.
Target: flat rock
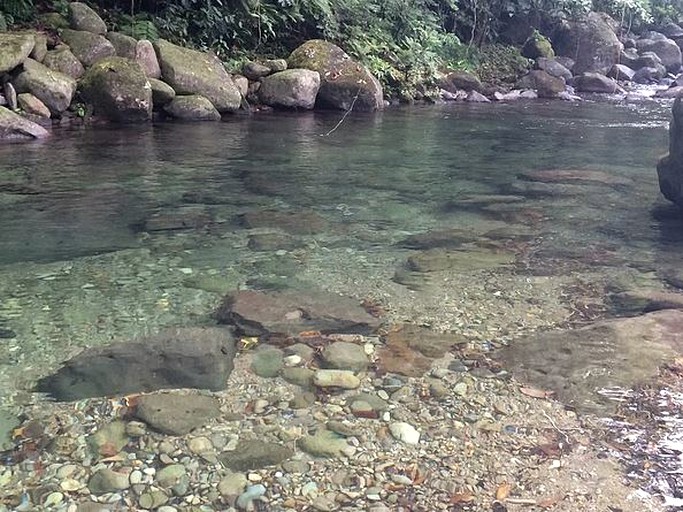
{"points": [[107, 480], [191, 357], [646, 301], [304, 222], [288, 313], [576, 364], [571, 176], [473, 258], [174, 414], [345, 356], [249, 455], [54, 89], [343, 379], [15, 127], [109, 439], [324, 443]]}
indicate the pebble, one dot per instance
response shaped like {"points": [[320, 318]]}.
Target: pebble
{"points": [[345, 356], [292, 360], [309, 490], [460, 389], [232, 484], [404, 432], [71, 485], [200, 445], [343, 379], [135, 477], [107, 480], [253, 492], [53, 499]]}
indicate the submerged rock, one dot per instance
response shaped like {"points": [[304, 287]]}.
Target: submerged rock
{"points": [[577, 364], [191, 357], [176, 415], [255, 455], [282, 314]]}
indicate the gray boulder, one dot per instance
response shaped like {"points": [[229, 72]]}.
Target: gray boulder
{"points": [[671, 93], [293, 88], [118, 90], [191, 357], [590, 41], [192, 108], [344, 82], [87, 47], [537, 45], [455, 81], [647, 60], [255, 70], [553, 68], [61, 59], [193, 72], [666, 49], [621, 72], [123, 44], [13, 127], [671, 30], [40, 48], [670, 168], [546, 85], [14, 50], [32, 105], [162, 93], [629, 57], [82, 17], [177, 415], [53, 88], [595, 82], [147, 58], [649, 75]]}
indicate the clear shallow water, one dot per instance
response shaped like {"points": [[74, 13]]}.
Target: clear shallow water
{"points": [[84, 258]]}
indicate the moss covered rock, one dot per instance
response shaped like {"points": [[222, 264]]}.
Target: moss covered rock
{"points": [[82, 17], [537, 45], [13, 126], [192, 108], [123, 44], [590, 41], [61, 59], [118, 90], [344, 82], [87, 47], [546, 85], [162, 93], [14, 50], [193, 72], [53, 88], [293, 88]]}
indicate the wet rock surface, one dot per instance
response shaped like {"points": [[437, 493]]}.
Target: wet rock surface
{"points": [[175, 414]]}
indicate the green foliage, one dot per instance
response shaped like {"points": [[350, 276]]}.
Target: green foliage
{"points": [[3, 23], [628, 12], [17, 11], [138, 27], [500, 64]]}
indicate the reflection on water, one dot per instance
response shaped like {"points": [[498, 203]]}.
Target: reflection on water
{"points": [[160, 214]]}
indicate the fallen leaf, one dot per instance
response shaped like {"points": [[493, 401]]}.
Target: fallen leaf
{"points": [[503, 491], [536, 393], [462, 497]]}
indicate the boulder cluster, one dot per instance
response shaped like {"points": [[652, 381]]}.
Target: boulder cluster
{"points": [[86, 69], [589, 55]]}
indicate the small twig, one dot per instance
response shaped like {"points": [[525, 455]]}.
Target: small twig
{"points": [[552, 422], [343, 117]]}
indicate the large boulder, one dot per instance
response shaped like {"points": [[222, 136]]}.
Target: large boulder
{"points": [[546, 85], [292, 88], [118, 90], [670, 168], [554, 68], [61, 59], [192, 108], [82, 17], [87, 47], [621, 72], [666, 49], [53, 88], [13, 126], [191, 357], [123, 44], [344, 82], [537, 45], [147, 58], [590, 41], [192, 72], [14, 50], [595, 82]]}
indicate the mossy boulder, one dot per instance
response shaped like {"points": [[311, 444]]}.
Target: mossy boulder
{"points": [[61, 59], [123, 44], [590, 41], [192, 108], [13, 126], [455, 81], [546, 85], [53, 88], [292, 88], [118, 90], [40, 47], [344, 82], [162, 93], [147, 58], [193, 72], [82, 17], [32, 105], [538, 46], [14, 50], [87, 47]]}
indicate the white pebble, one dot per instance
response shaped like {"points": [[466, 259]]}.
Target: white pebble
{"points": [[404, 432], [53, 499], [293, 360], [254, 477], [135, 477], [149, 471], [369, 349]]}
